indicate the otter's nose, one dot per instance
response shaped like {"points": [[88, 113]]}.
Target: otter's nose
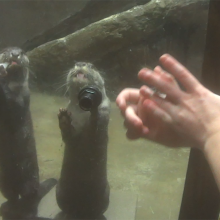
{"points": [[80, 64]]}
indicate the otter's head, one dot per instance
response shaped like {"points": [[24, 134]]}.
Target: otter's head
{"points": [[83, 74], [15, 64]]}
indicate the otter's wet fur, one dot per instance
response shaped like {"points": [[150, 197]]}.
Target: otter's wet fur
{"points": [[27, 209], [19, 172], [83, 190]]}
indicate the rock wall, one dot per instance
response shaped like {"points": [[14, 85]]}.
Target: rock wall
{"points": [[119, 37], [23, 20], [92, 11], [28, 24], [123, 43]]}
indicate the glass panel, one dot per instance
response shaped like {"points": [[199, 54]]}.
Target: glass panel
{"points": [[60, 39]]}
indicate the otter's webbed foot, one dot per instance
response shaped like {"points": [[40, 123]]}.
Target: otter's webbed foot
{"points": [[65, 124]]}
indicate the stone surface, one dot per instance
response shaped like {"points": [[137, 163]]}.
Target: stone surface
{"points": [[92, 11], [123, 43]]}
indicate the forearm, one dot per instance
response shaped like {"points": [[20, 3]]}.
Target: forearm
{"points": [[212, 154]]}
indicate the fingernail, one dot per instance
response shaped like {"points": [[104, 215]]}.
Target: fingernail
{"points": [[148, 92], [145, 91], [148, 72], [165, 57]]}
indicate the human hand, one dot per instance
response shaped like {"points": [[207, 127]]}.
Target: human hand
{"points": [[188, 117], [130, 101]]}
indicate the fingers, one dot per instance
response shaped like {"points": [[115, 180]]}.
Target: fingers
{"points": [[151, 108], [164, 104], [146, 92], [132, 118], [134, 124], [132, 134], [180, 72], [127, 95], [157, 120], [162, 73], [163, 82]]}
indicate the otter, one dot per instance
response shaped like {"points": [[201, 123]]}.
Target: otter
{"points": [[19, 172], [83, 191], [27, 209]]}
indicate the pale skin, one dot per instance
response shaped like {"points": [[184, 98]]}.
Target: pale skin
{"points": [[185, 117]]}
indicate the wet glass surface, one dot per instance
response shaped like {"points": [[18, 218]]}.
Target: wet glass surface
{"points": [[119, 37]]}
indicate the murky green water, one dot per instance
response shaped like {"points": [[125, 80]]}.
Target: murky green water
{"points": [[154, 174]]}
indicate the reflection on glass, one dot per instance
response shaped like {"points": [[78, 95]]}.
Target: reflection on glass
{"points": [[117, 38]]}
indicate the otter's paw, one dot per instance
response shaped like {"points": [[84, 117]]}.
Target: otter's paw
{"points": [[64, 119]]}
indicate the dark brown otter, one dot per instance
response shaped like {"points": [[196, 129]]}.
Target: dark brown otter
{"points": [[19, 172], [83, 190]]}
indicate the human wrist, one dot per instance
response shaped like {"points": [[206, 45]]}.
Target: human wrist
{"points": [[211, 144]]}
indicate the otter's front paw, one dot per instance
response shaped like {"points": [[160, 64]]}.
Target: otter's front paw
{"points": [[64, 119]]}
